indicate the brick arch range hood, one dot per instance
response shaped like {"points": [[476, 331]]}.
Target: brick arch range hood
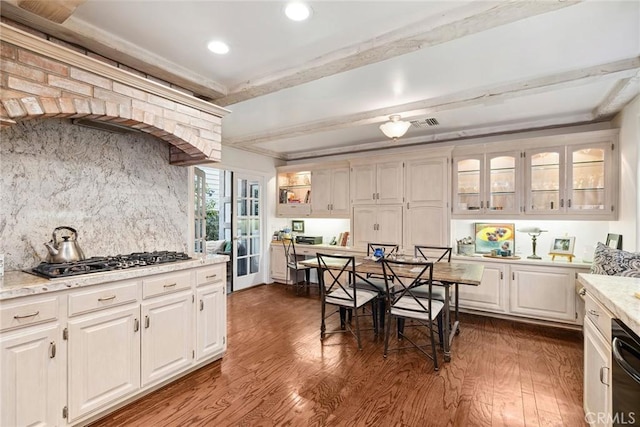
{"points": [[42, 79]]}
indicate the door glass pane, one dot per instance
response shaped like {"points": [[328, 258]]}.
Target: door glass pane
{"points": [[502, 183], [254, 264], [248, 231], [545, 181], [587, 189], [468, 191]]}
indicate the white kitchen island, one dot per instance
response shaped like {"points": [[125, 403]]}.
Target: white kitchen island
{"points": [[74, 349]]}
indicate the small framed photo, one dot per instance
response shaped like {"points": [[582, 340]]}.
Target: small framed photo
{"points": [[614, 241], [297, 226], [562, 246]]}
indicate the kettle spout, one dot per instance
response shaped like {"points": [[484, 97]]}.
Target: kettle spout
{"points": [[52, 250]]}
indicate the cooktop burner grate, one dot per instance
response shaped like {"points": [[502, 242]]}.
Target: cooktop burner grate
{"points": [[109, 263]]}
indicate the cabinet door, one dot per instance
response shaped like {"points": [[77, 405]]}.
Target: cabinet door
{"points": [[545, 183], [468, 196], [211, 321], [389, 224], [103, 359], [597, 377], [30, 377], [425, 225], [589, 183], [167, 337], [364, 226], [389, 183], [363, 184], [543, 293], [321, 192], [278, 263], [340, 192], [490, 295], [502, 183]]}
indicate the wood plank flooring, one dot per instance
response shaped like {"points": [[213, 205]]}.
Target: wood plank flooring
{"points": [[277, 372]]}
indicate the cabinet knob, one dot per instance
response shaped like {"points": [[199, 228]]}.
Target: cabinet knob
{"points": [[582, 292]]}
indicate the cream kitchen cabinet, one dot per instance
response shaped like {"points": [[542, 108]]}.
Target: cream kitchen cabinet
{"points": [[211, 314], [279, 270], [31, 367], [426, 214], [491, 295], [103, 359], [546, 293], [377, 183], [377, 224], [330, 192], [293, 192], [487, 184]]}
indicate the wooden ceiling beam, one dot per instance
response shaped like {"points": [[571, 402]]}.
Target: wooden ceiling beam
{"points": [[53, 10]]}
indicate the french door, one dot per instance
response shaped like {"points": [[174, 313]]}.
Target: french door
{"points": [[247, 231]]}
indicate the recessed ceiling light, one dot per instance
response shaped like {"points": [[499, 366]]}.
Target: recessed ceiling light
{"points": [[218, 47], [297, 11]]}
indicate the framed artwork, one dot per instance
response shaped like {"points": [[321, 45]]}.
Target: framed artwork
{"points": [[499, 236], [297, 226], [562, 246], [614, 241]]}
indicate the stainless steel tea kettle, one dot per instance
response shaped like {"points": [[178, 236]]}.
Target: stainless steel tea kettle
{"points": [[65, 250]]}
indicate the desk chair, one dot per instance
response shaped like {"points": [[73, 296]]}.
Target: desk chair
{"points": [[342, 290], [403, 304], [293, 265]]}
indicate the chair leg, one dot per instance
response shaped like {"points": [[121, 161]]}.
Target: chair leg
{"points": [[343, 318], [386, 336], [440, 333], [433, 344], [382, 308], [374, 314], [323, 327], [357, 328]]}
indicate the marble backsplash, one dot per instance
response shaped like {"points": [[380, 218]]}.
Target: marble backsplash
{"points": [[118, 190]]}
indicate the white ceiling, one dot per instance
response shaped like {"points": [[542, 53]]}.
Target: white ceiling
{"points": [[303, 89]]}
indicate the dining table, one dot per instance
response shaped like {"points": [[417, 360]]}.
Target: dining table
{"points": [[446, 273]]}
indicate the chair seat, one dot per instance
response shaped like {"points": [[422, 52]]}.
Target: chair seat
{"points": [[376, 285], [345, 298], [406, 305], [422, 291], [298, 266]]}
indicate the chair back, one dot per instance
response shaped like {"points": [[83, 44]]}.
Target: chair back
{"points": [[398, 289], [387, 247], [442, 253], [290, 253], [336, 273]]}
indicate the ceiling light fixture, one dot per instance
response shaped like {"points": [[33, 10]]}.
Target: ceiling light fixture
{"points": [[218, 47], [395, 128], [297, 11]]}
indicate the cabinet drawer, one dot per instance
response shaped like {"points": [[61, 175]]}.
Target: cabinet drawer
{"points": [[599, 315], [103, 297], [165, 284], [212, 274], [24, 313]]}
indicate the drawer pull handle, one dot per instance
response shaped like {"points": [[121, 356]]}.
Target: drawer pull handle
{"points": [[603, 376], [52, 350], [170, 286], [24, 316], [594, 313], [211, 276], [107, 298]]}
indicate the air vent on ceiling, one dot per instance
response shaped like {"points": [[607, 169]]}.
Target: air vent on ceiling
{"points": [[431, 121]]}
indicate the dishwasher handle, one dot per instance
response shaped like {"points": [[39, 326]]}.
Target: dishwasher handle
{"points": [[617, 346]]}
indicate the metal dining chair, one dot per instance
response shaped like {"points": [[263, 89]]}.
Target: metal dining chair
{"points": [[404, 304], [294, 266], [343, 291]]}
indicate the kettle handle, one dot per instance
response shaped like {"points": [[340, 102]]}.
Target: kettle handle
{"points": [[73, 230]]}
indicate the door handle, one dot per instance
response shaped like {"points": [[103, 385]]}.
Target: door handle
{"points": [[602, 377], [201, 305], [136, 325], [52, 349], [146, 322]]}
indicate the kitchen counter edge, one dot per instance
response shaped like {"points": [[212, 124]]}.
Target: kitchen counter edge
{"points": [[17, 283], [616, 293]]}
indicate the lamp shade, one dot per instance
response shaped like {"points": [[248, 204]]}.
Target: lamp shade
{"points": [[394, 128]]}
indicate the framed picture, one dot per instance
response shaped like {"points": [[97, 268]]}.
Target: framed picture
{"points": [[499, 236], [562, 246], [614, 241], [297, 226]]}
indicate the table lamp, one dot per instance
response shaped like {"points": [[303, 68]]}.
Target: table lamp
{"points": [[534, 232]]}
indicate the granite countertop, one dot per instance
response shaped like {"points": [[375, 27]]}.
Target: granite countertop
{"points": [[617, 295], [17, 283]]}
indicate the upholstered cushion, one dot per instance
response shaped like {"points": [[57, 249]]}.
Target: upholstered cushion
{"points": [[372, 284], [227, 246], [340, 297], [407, 306], [615, 262], [215, 246], [422, 291]]}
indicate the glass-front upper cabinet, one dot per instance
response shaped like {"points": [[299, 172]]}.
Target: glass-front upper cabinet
{"points": [[545, 180], [294, 193], [487, 184], [588, 183]]}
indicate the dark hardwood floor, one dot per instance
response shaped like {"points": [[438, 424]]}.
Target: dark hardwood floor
{"points": [[277, 372]]}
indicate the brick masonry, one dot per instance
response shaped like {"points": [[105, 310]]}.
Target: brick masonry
{"points": [[34, 86]]}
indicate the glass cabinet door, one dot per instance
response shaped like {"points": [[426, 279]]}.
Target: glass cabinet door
{"points": [[586, 180], [502, 183], [545, 180], [468, 185]]}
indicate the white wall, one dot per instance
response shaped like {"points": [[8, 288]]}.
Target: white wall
{"points": [[628, 120]]}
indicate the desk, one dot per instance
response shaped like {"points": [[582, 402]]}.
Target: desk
{"points": [[448, 273]]}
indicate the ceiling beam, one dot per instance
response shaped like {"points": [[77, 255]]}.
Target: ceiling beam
{"points": [[623, 93], [472, 18], [485, 95], [54, 10]]}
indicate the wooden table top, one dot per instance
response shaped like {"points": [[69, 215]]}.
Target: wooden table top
{"points": [[448, 272]]}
